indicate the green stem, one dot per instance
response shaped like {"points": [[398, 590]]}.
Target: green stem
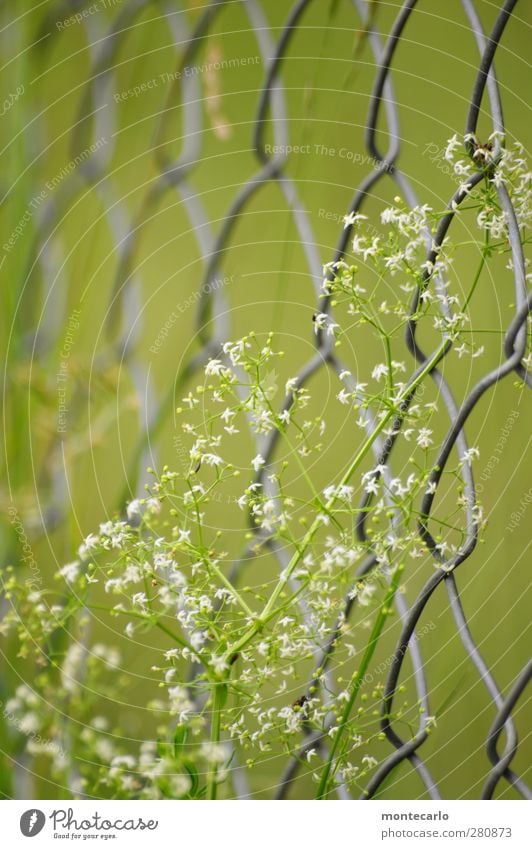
{"points": [[357, 681]]}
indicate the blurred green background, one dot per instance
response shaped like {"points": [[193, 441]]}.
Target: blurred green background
{"points": [[59, 278]]}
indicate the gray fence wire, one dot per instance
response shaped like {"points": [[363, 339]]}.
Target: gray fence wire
{"points": [[96, 117]]}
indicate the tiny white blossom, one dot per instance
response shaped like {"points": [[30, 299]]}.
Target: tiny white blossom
{"points": [[153, 506], [452, 145], [139, 599], [134, 509], [379, 371], [424, 437], [89, 544], [352, 218]]}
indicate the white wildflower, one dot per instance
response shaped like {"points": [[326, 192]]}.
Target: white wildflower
{"points": [[257, 462]]}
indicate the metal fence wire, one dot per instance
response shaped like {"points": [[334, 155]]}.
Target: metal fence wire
{"points": [[175, 177]]}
